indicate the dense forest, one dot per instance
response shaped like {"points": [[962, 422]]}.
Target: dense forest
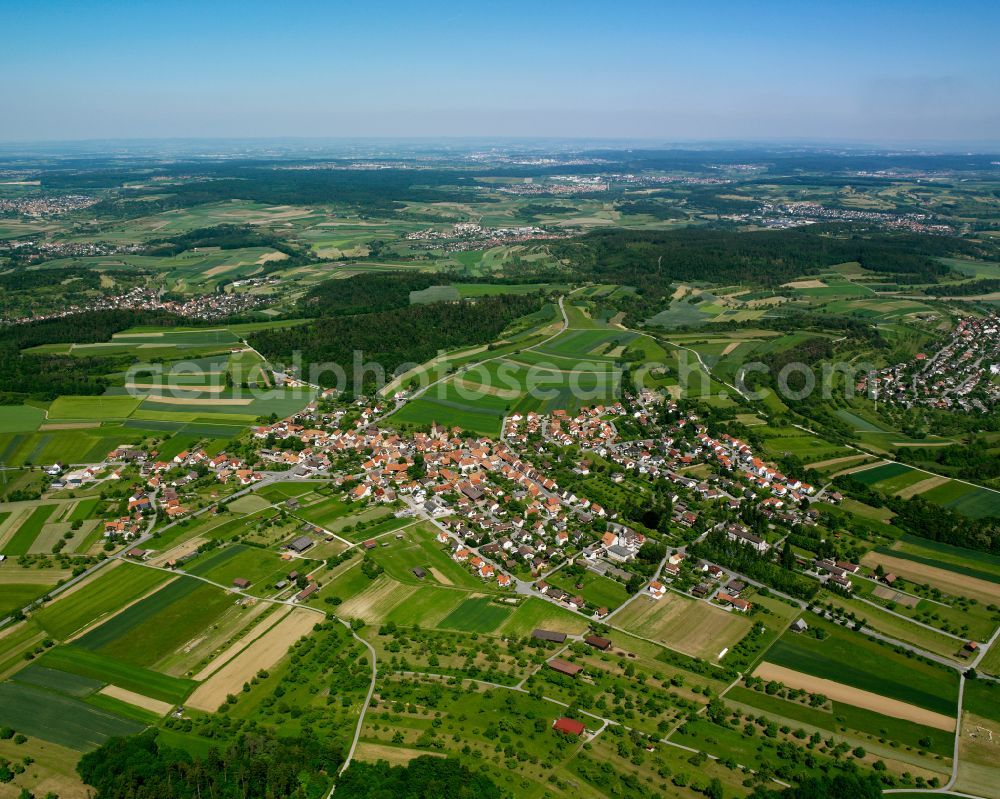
{"points": [[366, 293], [46, 376], [970, 289], [27, 291], [839, 786], [375, 191], [652, 260], [30, 279], [424, 777], [391, 338], [225, 237], [650, 207], [258, 766]]}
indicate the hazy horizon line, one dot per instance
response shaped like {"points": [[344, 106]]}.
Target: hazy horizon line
{"points": [[941, 146]]}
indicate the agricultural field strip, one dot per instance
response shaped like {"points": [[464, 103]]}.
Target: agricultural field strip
{"points": [[886, 461], [948, 580], [262, 652], [850, 695], [231, 589]]}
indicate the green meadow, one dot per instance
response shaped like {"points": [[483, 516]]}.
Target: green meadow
{"points": [[110, 590]]}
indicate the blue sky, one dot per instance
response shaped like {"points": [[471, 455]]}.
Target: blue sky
{"points": [[882, 71]]}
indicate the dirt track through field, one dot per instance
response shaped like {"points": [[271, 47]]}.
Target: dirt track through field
{"points": [[145, 702], [261, 654], [839, 692], [948, 581]]}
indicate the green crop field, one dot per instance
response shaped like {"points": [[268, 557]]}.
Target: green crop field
{"points": [[76, 660], [225, 526], [804, 446], [418, 548], [878, 473], [584, 344], [427, 607], [852, 659], [14, 596], [422, 412], [20, 418], [147, 631], [983, 698], [478, 615], [26, 534], [85, 509], [435, 294], [105, 594], [491, 289], [929, 558], [326, 511], [279, 492], [966, 499], [55, 680], [349, 582], [895, 484], [87, 445], [90, 408], [124, 709], [60, 719], [860, 424], [387, 524], [534, 613], [946, 556]]}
